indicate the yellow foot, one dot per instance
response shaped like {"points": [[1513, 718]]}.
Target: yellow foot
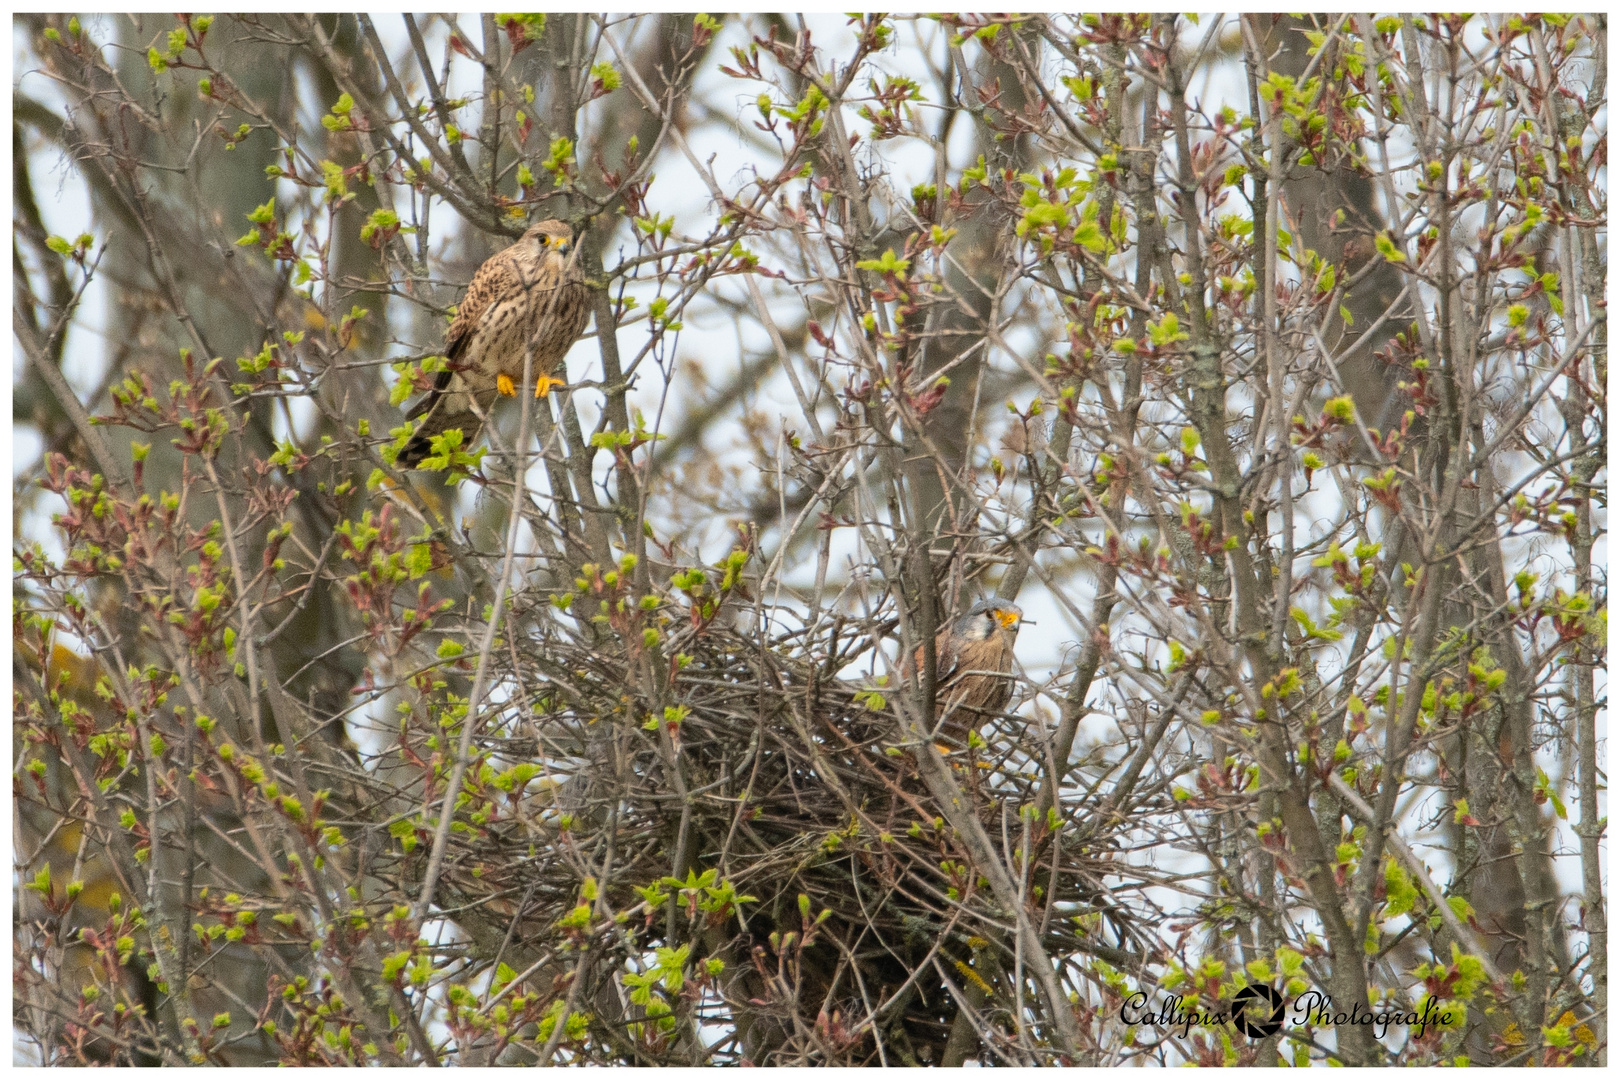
{"points": [[504, 384], [543, 385]]}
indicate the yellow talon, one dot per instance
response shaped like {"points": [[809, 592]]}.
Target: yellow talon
{"points": [[543, 385], [504, 384]]}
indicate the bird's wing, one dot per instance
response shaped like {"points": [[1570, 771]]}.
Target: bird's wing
{"points": [[495, 281], [947, 659]]}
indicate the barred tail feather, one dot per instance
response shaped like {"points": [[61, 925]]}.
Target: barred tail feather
{"points": [[434, 424]]}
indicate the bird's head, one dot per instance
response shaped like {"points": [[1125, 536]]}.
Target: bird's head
{"points": [[988, 618], [551, 237]]}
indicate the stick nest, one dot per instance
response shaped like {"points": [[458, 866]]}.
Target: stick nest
{"points": [[770, 819]]}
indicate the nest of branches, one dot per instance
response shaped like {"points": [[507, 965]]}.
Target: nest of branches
{"points": [[771, 827]]}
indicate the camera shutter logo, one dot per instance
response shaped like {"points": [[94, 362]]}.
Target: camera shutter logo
{"points": [[1257, 1011]]}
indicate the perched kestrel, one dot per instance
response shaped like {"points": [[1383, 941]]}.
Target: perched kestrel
{"points": [[973, 663], [530, 291]]}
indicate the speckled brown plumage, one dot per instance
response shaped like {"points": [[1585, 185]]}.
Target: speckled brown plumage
{"points": [[973, 663], [531, 290]]}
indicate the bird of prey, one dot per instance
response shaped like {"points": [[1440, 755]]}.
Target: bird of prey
{"points": [[973, 663], [532, 291]]}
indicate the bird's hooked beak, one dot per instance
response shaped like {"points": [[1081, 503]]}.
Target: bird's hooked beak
{"points": [[562, 244], [1007, 619]]}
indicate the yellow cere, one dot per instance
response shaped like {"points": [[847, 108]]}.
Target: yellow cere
{"points": [[1008, 619]]}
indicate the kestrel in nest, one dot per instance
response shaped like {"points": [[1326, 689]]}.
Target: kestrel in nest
{"points": [[531, 291], [973, 663]]}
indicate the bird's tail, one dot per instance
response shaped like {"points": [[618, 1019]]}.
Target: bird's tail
{"points": [[433, 424]]}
